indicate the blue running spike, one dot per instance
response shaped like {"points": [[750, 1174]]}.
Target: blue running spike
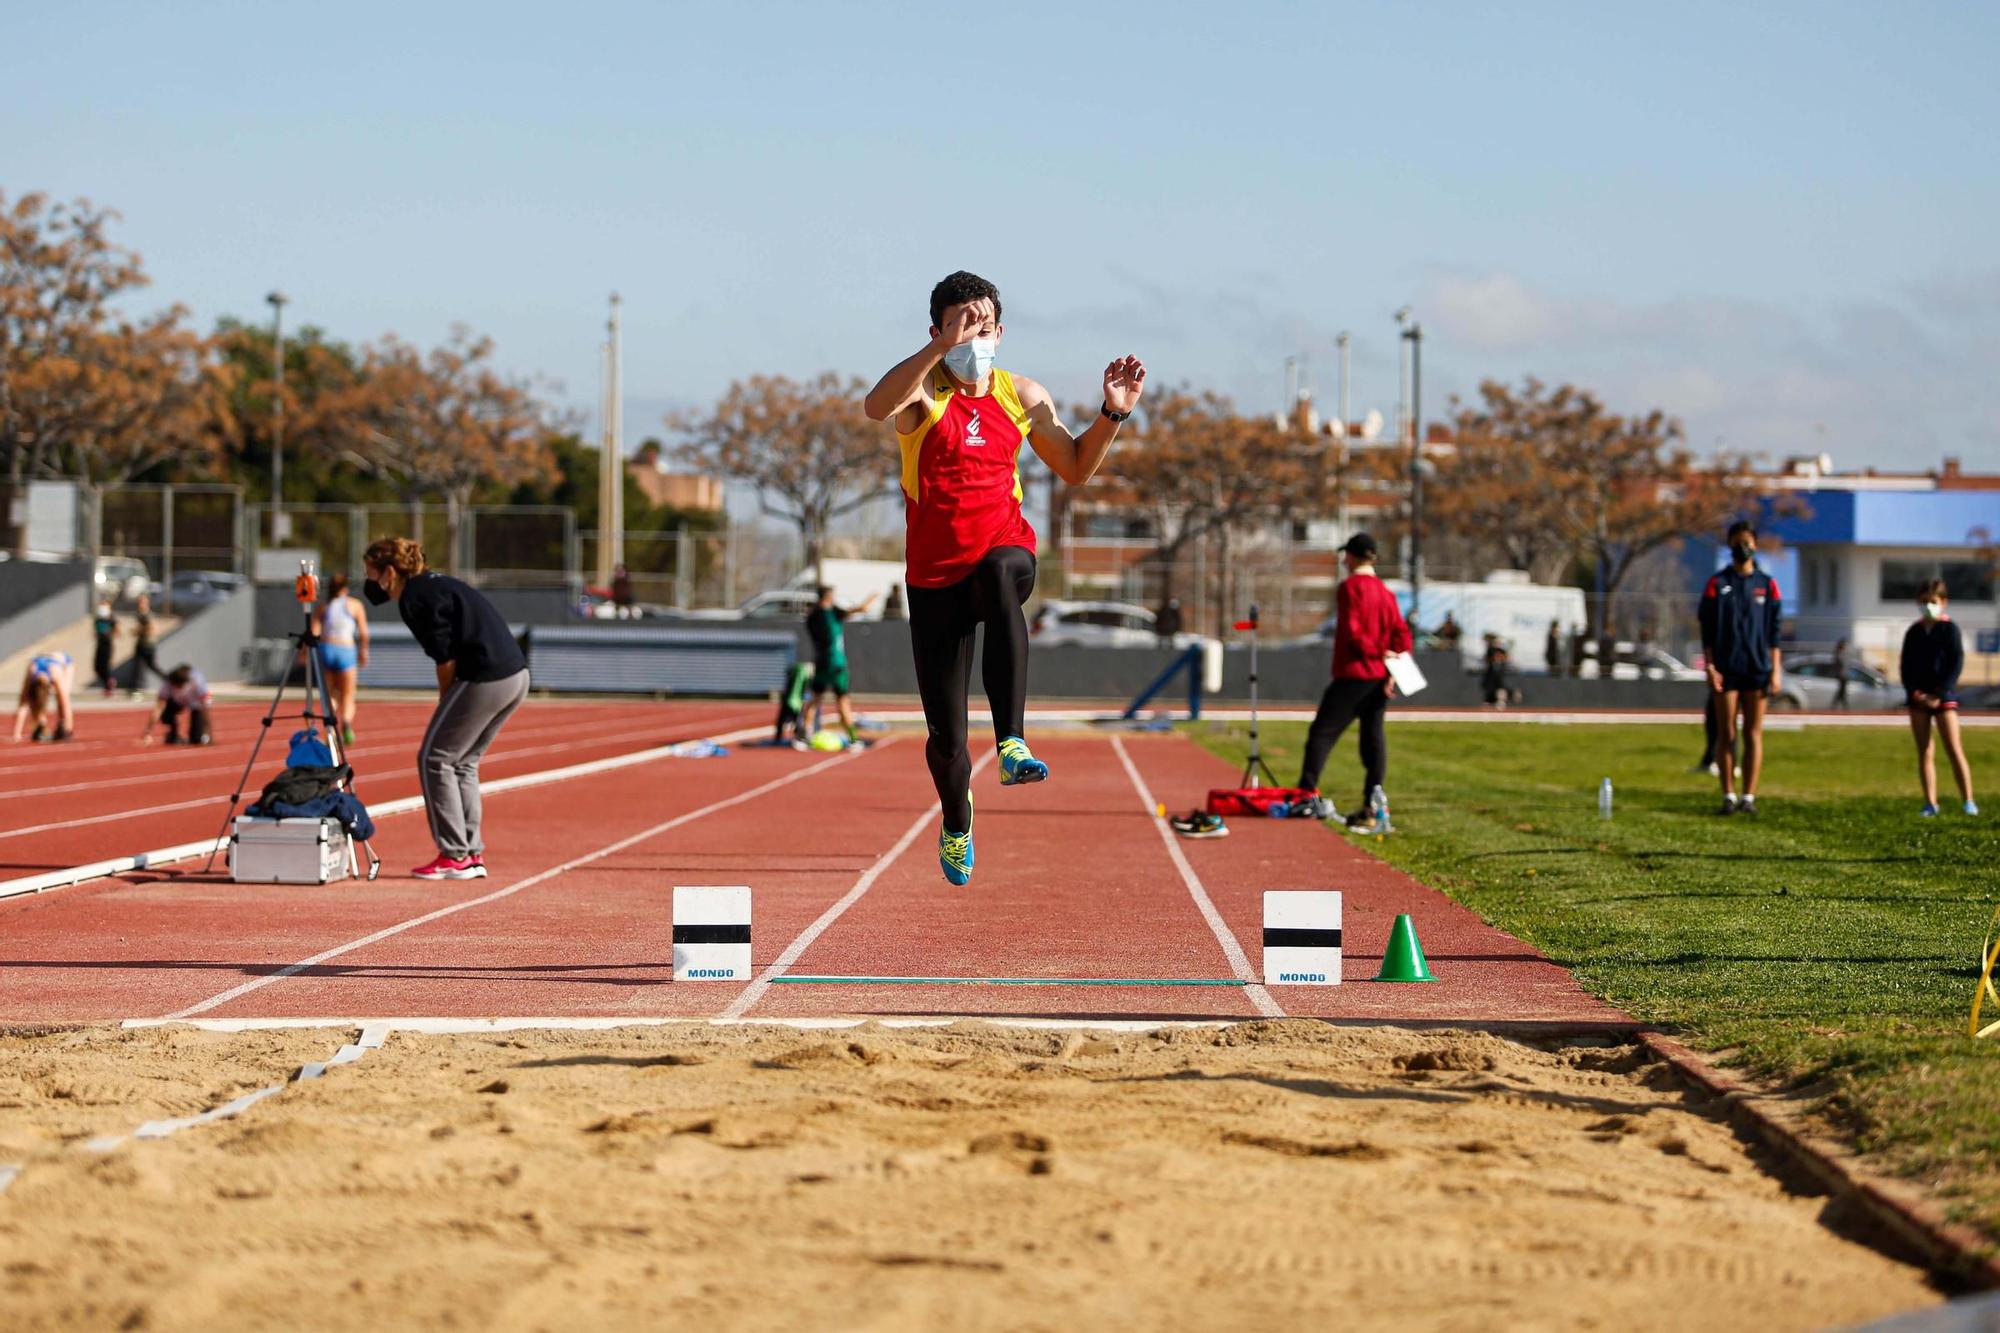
{"points": [[1017, 766], [955, 853]]}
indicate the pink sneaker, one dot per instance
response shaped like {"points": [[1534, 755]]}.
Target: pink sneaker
{"points": [[450, 867]]}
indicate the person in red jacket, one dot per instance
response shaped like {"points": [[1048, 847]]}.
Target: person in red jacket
{"points": [[1368, 627]]}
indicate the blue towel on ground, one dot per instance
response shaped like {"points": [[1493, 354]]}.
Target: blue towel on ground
{"points": [[342, 805]]}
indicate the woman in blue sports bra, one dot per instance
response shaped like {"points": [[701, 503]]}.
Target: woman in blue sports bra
{"points": [[45, 697], [342, 627]]}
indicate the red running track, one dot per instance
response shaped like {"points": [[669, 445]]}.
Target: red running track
{"points": [[1074, 879], [106, 795]]}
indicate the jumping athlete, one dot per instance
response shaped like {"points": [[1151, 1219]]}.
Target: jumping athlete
{"points": [[1740, 614], [961, 423]]}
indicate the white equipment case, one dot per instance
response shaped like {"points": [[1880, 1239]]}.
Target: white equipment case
{"points": [[289, 851]]}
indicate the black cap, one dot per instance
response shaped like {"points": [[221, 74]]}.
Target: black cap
{"points": [[1361, 546]]}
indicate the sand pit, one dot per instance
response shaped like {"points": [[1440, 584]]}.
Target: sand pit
{"points": [[1280, 1175]]}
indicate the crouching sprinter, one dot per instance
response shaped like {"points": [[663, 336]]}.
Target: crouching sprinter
{"points": [[184, 693]]}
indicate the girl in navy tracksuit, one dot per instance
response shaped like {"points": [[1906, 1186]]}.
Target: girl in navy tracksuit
{"points": [[1933, 655]]}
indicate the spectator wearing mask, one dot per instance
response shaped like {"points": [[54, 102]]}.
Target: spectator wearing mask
{"points": [[1741, 612], [104, 625], [1933, 656]]}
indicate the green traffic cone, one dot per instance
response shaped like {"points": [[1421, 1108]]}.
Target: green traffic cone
{"points": [[1404, 958]]}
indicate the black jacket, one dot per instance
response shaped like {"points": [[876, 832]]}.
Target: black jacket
{"points": [[1933, 655], [453, 622]]}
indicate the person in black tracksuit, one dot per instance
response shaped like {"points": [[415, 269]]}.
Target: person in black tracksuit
{"points": [[1933, 656], [1740, 614], [482, 678]]}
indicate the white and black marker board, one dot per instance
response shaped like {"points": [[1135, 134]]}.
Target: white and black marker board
{"points": [[1302, 937], [711, 933]]}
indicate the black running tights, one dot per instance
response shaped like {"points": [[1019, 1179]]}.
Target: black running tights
{"points": [[942, 624], [1345, 701]]}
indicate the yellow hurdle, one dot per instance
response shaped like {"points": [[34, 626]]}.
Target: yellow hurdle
{"points": [[1989, 954]]}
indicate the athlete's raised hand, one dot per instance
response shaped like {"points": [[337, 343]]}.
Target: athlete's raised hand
{"points": [[964, 323], [1124, 381]]}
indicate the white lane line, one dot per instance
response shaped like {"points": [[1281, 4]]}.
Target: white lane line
{"points": [[610, 731], [187, 851], [1238, 961], [793, 951], [595, 733], [611, 849], [453, 1027], [113, 816]]}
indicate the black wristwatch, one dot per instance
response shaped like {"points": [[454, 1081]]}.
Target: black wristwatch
{"points": [[1109, 415]]}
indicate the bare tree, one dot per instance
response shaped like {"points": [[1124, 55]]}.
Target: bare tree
{"points": [[807, 448]]}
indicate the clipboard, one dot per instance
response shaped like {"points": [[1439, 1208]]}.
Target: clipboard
{"points": [[1403, 669]]}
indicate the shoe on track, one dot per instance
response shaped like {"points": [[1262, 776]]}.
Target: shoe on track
{"points": [[451, 867], [955, 854], [1728, 806], [41, 733], [1928, 812], [1972, 807], [1199, 824], [1747, 806], [1017, 765]]}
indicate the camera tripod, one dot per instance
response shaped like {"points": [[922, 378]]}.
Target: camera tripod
{"points": [[315, 694], [1255, 771]]}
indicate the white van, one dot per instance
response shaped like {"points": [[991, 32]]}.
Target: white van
{"points": [[1506, 605]]}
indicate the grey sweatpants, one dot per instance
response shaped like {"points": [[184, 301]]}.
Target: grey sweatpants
{"points": [[468, 717]]}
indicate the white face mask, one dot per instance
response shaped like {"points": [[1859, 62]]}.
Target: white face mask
{"points": [[1934, 610], [971, 361]]}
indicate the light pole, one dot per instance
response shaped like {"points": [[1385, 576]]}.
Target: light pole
{"points": [[1341, 343], [280, 530], [1415, 334]]}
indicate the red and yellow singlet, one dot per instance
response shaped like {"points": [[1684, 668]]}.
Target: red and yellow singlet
{"points": [[962, 479]]}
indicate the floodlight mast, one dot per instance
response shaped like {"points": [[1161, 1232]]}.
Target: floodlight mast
{"points": [[278, 530]]}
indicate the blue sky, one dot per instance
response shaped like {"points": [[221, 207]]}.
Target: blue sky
{"points": [[1776, 221]]}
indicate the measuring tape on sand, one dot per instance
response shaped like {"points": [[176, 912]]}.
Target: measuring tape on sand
{"points": [[1989, 954]]}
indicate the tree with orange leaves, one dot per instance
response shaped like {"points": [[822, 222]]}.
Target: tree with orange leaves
{"points": [[1539, 471], [85, 393], [1198, 468], [446, 422]]}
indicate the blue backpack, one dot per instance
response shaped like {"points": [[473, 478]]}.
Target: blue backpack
{"points": [[309, 750]]}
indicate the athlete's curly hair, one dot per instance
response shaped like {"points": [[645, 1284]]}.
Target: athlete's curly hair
{"points": [[959, 288], [397, 553]]}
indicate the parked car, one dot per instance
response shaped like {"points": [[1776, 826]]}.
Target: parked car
{"points": [[1643, 661], [192, 589], [121, 579], [1100, 625], [1810, 681], [773, 605]]}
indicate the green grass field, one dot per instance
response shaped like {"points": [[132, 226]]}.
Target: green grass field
{"points": [[1831, 943]]}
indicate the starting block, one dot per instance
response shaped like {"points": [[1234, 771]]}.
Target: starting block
{"points": [[1301, 937], [711, 933]]}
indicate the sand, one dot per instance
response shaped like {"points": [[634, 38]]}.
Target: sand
{"points": [[1271, 1175]]}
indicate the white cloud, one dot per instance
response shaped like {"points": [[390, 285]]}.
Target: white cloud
{"points": [[1880, 382]]}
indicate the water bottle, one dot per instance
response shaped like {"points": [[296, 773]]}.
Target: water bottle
{"points": [[1379, 802], [1604, 799]]}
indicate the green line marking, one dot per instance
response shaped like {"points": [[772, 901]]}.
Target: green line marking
{"points": [[803, 980]]}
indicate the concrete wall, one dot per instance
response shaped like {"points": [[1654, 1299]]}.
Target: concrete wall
{"points": [[878, 656], [214, 640], [38, 599], [278, 611]]}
